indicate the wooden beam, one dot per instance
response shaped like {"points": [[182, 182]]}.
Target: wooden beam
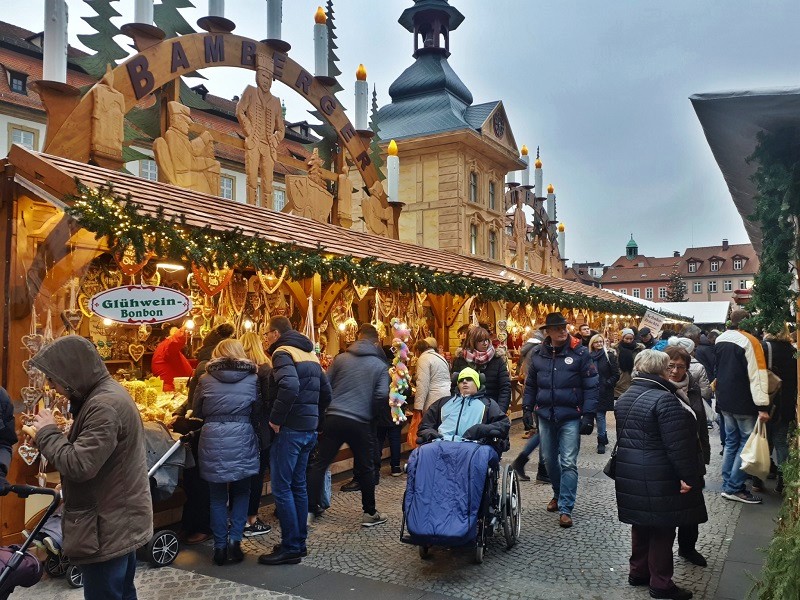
{"points": [[454, 306], [328, 298]]}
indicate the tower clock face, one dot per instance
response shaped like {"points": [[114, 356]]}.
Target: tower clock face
{"points": [[499, 123]]}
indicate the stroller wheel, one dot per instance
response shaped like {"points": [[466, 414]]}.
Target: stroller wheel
{"points": [[56, 566], [163, 548], [424, 552], [75, 576]]}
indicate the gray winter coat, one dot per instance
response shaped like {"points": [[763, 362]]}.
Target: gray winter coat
{"points": [[225, 398], [359, 382], [108, 511]]}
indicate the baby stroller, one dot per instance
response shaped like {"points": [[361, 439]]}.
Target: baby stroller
{"points": [[20, 567], [458, 495], [165, 458]]}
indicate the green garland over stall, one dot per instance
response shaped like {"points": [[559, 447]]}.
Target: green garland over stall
{"points": [[124, 224]]}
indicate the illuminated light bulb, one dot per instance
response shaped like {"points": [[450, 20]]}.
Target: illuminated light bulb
{"points": [[341, 326], [248, 324], [107, 322], [189, 324]]}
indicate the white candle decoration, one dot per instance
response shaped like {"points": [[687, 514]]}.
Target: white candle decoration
{"points": [[274, 19], [216, 8], [55, 41], [551, 203], [143, 12], [320, 44], [537, 180], [562, 241], [526, 172], [362, 96], [393, 173]]}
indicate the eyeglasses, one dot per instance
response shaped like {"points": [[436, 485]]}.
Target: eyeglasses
{"points": [[466, 379], [676, 367]]}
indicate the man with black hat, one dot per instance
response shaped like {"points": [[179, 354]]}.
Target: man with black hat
{"points": [[646, 337], [562, 386]]}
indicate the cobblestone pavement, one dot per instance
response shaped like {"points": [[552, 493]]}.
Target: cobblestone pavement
{"points": [[587, 562]]}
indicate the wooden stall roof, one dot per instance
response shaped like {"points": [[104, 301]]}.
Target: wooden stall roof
{"points": [[55, 176]]}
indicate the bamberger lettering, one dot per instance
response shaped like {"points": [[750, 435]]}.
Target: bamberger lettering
{"points": [[363, 158], [248, 54], [279, 62], [179, 60], [141, 78], [328, 105], [304, 82], [348, 132], [215, 48]]}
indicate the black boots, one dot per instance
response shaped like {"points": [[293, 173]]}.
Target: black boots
{"points": [[541, 473], [220, 556], [779, 485], [519, 467], [235, 552]]}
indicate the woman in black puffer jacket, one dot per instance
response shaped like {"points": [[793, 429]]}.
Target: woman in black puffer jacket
{"points": [[479, 354], [608, 371], [228, 451], [658, 473]]}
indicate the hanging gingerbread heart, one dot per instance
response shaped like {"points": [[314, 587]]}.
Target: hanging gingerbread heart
{"points": [[269, 281], [502, 325], [30, 369], [83, 304], [154, 279], [28, 453], [421, 297], [111, 279], [127, 263], [238, 293], [143, 332], [214, 281], [33, 342], [73, 316], [361, 290], [136, 351], [30, 395]]}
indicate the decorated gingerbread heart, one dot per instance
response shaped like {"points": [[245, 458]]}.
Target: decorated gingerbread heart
{"points": [[30, 395], [73, 316], [144, 332], [28, 453], [136, 351], [214, 281], [33, 342]]}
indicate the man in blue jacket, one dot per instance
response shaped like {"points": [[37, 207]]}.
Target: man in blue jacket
{"points": [[562, 386], [302, 393], [360, 384]]}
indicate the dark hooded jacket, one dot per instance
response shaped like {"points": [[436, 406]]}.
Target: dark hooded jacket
{"points": [[225, 399], [107, 506], [562, 383], [704, 353], [658, 448], [608, 371], [498, 381], [301, 391], [494, 424], [359, 381]]}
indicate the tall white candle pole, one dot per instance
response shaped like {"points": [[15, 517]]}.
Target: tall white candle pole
{"points": [[551, 206], [55, 41], [562, 241], [362, 96], [143, 12], [393, 173], [274, 19], [538, 186], [526, 173], [320, 43], [216, 8]]}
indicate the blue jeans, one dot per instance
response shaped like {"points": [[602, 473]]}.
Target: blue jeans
{"points": [[561, 442], [531, 445], [110, 579], [239, 499], [779, 432], [602, 432], [737, 429], [288, 462]]}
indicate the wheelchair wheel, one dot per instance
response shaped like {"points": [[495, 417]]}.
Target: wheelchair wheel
{"points": [[424, 552], [163, 548], [510, 507], [485, 517], [56, 566], [75, 577]]}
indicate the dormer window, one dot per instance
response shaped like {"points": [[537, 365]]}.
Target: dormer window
{"points": [[738, 263], [715, 265], [692, 267], [18, 82]]}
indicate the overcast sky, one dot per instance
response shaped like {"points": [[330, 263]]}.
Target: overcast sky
{"points": [[602, 87]]}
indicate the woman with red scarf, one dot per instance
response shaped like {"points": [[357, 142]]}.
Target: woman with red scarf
{"points": [[479, 354]]}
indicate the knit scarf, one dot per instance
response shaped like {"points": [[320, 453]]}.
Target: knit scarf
{"points": [[626, 356], [478, 357], [682, 389]]}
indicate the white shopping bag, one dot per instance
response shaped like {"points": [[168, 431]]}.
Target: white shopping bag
{"points": [[755, 454]]}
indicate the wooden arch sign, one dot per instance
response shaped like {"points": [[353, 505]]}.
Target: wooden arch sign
{"points": [[167, 60]]}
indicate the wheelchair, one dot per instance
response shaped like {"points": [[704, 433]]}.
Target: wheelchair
{"points": [[499, 511]]}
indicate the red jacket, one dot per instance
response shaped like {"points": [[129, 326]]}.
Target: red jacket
{"points": [[169, 362]]}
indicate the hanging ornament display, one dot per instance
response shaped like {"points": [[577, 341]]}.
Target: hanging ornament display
{"points": [[237, 293], [212, 281], [127, 263], [361, 290], [269, 281], [72, 316], [400, 384]]}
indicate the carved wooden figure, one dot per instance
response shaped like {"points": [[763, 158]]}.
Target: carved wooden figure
{"points": [[184, 162], [108, 117], [261, 118]]}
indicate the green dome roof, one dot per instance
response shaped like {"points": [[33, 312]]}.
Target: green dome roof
{"points": [[632, 244]]}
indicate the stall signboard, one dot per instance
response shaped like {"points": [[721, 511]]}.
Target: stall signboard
{"points": [[654, 321], [137, 304]]}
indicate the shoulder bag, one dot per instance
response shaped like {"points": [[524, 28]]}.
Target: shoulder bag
{"points": [[611, 466]]}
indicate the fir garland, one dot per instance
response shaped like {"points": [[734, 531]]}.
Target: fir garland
{"points": [[777, 180], [123, 223]]}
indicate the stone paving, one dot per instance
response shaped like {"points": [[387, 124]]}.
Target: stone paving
{"points": [[587, 562]]}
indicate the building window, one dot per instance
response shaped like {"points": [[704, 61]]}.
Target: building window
{"points": [[727, 285], [24, 137], [636, 293], [278, 199], [737, 264], [491, 195], [492, 245], [148, 169], [712, 287], [662, 293], [473, 239], [226, 187], [623, 290], [17, 82], [648, 293], [692, 267], [715, 265], [473, 187], [697, 287], [743, 284]]}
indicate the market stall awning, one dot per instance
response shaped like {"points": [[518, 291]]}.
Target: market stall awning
{"points": [[703, 313], [679, 309], [54, 177], [731, 121]]}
